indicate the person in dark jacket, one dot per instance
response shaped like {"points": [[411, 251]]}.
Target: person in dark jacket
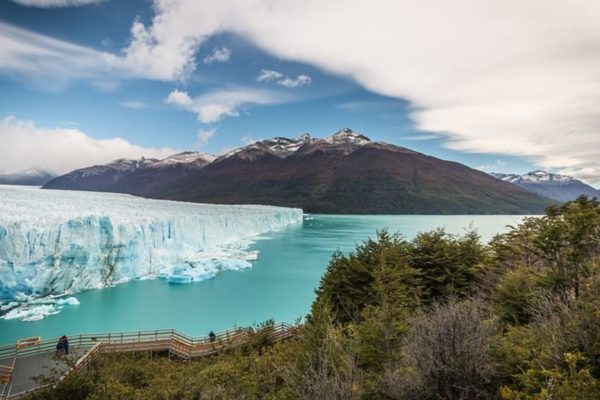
{"points": [[62, 347], [212, 336]]}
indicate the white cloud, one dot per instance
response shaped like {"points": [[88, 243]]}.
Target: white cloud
{"points": [[222, 54], [56, 3], [213, 106], [300, 80], [203, 136], [515, 77], [179, 98], [134, 104], [267, 75], [421, 137], [497, 166], [52, 63], [164, 52], [25, 145]]}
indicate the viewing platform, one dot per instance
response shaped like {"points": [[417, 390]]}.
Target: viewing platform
{"points": [[24, 365]]}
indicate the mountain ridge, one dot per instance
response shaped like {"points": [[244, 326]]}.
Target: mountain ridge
{"points": [[342, 173], [553, 186], [30, 177]]}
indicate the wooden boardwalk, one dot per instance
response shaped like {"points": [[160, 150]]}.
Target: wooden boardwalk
{"points": [[23, 363]]}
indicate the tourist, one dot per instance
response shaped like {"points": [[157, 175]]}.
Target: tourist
{"points": [[212, 336], [60, 346]]}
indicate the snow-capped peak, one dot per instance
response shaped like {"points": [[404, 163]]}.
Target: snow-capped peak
{"points": [[282, 145], [34, 172], [346, 140], [546, 177], [347, 135], [121, 165], [187, 157], [537, 176]]}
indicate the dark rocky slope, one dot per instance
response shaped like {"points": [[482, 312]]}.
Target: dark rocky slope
{"points": [[343, 173]]}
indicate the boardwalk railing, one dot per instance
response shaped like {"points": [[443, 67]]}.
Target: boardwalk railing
{"points": [[173, 341], [6, 372]]}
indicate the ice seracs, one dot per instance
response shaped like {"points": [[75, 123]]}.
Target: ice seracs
{"points": [[57, 242]]}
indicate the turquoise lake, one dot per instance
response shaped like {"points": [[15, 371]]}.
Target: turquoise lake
{"points": [[280, 285]]}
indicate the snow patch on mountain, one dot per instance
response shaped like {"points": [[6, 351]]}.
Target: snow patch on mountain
{"points": [[553, 186], [538, 176], [122, 165], [187, 157], [347, 136]]}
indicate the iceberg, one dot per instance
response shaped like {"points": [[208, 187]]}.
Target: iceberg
{"points": [[38, 309], [56, 242]]}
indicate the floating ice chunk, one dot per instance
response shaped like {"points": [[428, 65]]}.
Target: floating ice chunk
{"points": [[37, 309], [235, 264], [31, 313], [69, 301]]}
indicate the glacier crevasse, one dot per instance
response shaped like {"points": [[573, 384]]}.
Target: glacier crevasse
{"points": [[62, 242]]}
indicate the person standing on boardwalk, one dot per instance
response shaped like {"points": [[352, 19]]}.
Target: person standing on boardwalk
{"points": [[212, 336], [62, 347]]}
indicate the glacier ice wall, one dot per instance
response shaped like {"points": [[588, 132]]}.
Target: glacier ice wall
{"points": [[62, 242]]}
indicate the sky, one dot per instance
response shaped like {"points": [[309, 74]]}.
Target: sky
{"points": [[505, 86]]}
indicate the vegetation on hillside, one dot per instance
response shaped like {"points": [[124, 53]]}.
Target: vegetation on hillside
{"points": [[437, 317]]}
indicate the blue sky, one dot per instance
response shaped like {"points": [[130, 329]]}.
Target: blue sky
{"points": [[199, 89]]}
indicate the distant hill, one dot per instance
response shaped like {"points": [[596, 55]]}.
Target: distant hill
{"points": [[132, 176], [30, 177], [342, 173], [553, 186]]}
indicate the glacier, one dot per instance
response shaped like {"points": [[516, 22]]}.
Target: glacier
{"points": [[55, 243]]}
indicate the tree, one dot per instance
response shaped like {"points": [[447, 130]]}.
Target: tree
{"points": [[448, 264], [349, 284]]}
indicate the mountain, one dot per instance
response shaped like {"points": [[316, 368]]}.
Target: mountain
{"points": [[30, 177], [553, 186], [342, 173], [143, 175]]}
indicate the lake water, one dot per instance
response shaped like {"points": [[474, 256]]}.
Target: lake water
{"points": [[280, 285]]}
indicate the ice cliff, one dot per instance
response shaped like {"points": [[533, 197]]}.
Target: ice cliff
{"points": [[54, 243]]}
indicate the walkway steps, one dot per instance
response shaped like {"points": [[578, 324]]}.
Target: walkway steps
{"points": [[20, 363]]}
